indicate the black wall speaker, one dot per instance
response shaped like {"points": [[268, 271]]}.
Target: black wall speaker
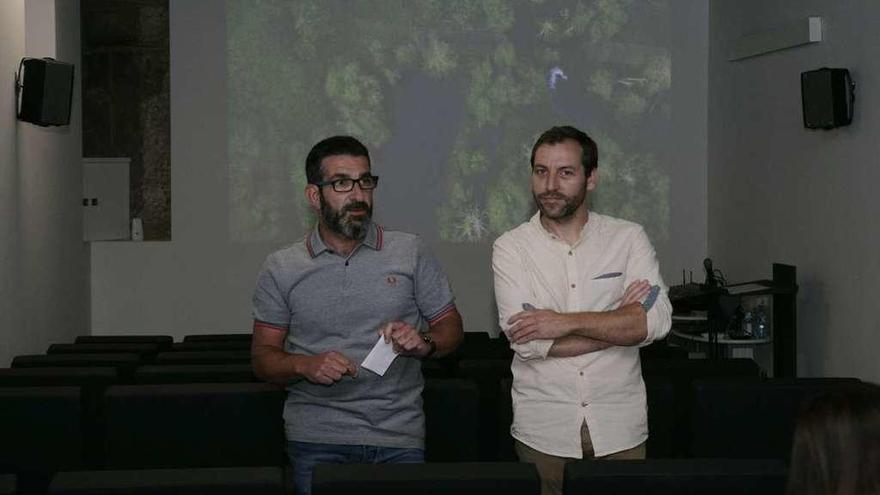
{"points": [[828, 96], [46, 91]]}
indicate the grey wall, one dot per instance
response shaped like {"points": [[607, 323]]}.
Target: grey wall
{"points": [[779, 192], [201, 282], [44, 265]]}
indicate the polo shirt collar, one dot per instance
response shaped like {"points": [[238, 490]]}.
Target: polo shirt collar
{"points": [[315, 245]]}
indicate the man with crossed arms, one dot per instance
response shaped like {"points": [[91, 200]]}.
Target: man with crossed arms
{"points": [[578, 293]]}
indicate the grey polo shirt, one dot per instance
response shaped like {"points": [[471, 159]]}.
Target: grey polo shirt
{"points": [[327, 302]]}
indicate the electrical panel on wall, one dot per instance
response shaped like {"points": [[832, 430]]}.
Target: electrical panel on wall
{"points": [[105, 199]]}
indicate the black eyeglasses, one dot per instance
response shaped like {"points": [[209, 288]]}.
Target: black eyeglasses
{"points": [[367, 183]]}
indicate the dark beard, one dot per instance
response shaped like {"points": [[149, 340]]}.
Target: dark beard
{"points": [[347, 226], [571, 205]]}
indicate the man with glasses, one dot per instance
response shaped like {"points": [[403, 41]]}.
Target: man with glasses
{"points": [[322, 304]]}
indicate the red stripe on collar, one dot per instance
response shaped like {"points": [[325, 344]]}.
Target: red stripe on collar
{"points": [[309, 245]]}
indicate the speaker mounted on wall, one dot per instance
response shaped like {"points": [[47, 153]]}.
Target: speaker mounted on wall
{"points": [[828, 97], [44, 91]]}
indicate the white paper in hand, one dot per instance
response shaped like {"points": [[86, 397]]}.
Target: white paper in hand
{"points": [[380, 358]]}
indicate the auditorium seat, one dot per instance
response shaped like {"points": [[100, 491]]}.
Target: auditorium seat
{"points": [[434, 368], [676, 477], [145, 351], [214, 337], [487, 374], [741, 419], [195, 373], [662, 350], [663, 416], [451, 420], [677, 414], [504, 418], [479, 345], [690, 369], [124, 363], [92, 382], [472, 478], [7, 484], [212, 345], [203, 481], [204, 357], [163, 341], [40, 433], [58, 376], [194, 425]]}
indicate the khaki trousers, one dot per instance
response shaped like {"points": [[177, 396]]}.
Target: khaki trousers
{"points": [[551, 467]]}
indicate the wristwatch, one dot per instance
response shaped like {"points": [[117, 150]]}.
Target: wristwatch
{"points": [[428, 340]]}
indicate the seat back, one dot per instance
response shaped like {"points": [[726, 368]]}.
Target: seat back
{"points": [[212, 345], [477, 478], [479, 345], [92, 383], [503, 421], [123, 363], [451, 420], [145, 351], [676, 477], [670, 412], [204, 357], [163, 341], [40, 429], [740, 419], [487, 374], [663, 418], [195, 373], [214, 337], [194, 425], [204, 481], [8, 484]]}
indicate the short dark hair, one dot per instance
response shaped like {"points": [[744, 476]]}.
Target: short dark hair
{"points": [[332, 146], [558, 134]]}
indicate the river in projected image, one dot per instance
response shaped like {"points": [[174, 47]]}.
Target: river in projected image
{"points": [[449, 96]]}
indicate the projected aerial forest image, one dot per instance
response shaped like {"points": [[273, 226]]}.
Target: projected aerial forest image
{"points": [[449, 96]]}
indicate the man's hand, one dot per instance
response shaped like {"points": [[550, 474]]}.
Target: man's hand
{"points": [[405, 339], [539, 324], [327, 368], [635, 293]]}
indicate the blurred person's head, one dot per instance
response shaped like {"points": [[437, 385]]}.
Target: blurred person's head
{"points": [[836, 448]]}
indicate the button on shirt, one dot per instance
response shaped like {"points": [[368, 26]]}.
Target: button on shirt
{"points": [[328, 302], [553, 396]]}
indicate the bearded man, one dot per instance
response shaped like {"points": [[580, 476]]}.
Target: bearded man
{"points": [[577, 294], [322, 304]]}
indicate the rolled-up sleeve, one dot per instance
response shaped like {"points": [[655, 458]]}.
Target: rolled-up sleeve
{"points": [[511, 292], [642, 264]]}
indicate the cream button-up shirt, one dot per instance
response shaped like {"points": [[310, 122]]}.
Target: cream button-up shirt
{"points": [[553, 396]]}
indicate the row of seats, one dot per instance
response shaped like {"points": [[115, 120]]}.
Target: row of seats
{"points": [[654, 477], [213, 424], [227, 365], [47, 429], [476, 345], [668, 387]]}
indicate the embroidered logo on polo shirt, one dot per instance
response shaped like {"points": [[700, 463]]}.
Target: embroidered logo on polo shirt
{"points": [[391, 280]]}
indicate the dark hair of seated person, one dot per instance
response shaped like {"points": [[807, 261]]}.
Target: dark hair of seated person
{"points": [[836, 448]]}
